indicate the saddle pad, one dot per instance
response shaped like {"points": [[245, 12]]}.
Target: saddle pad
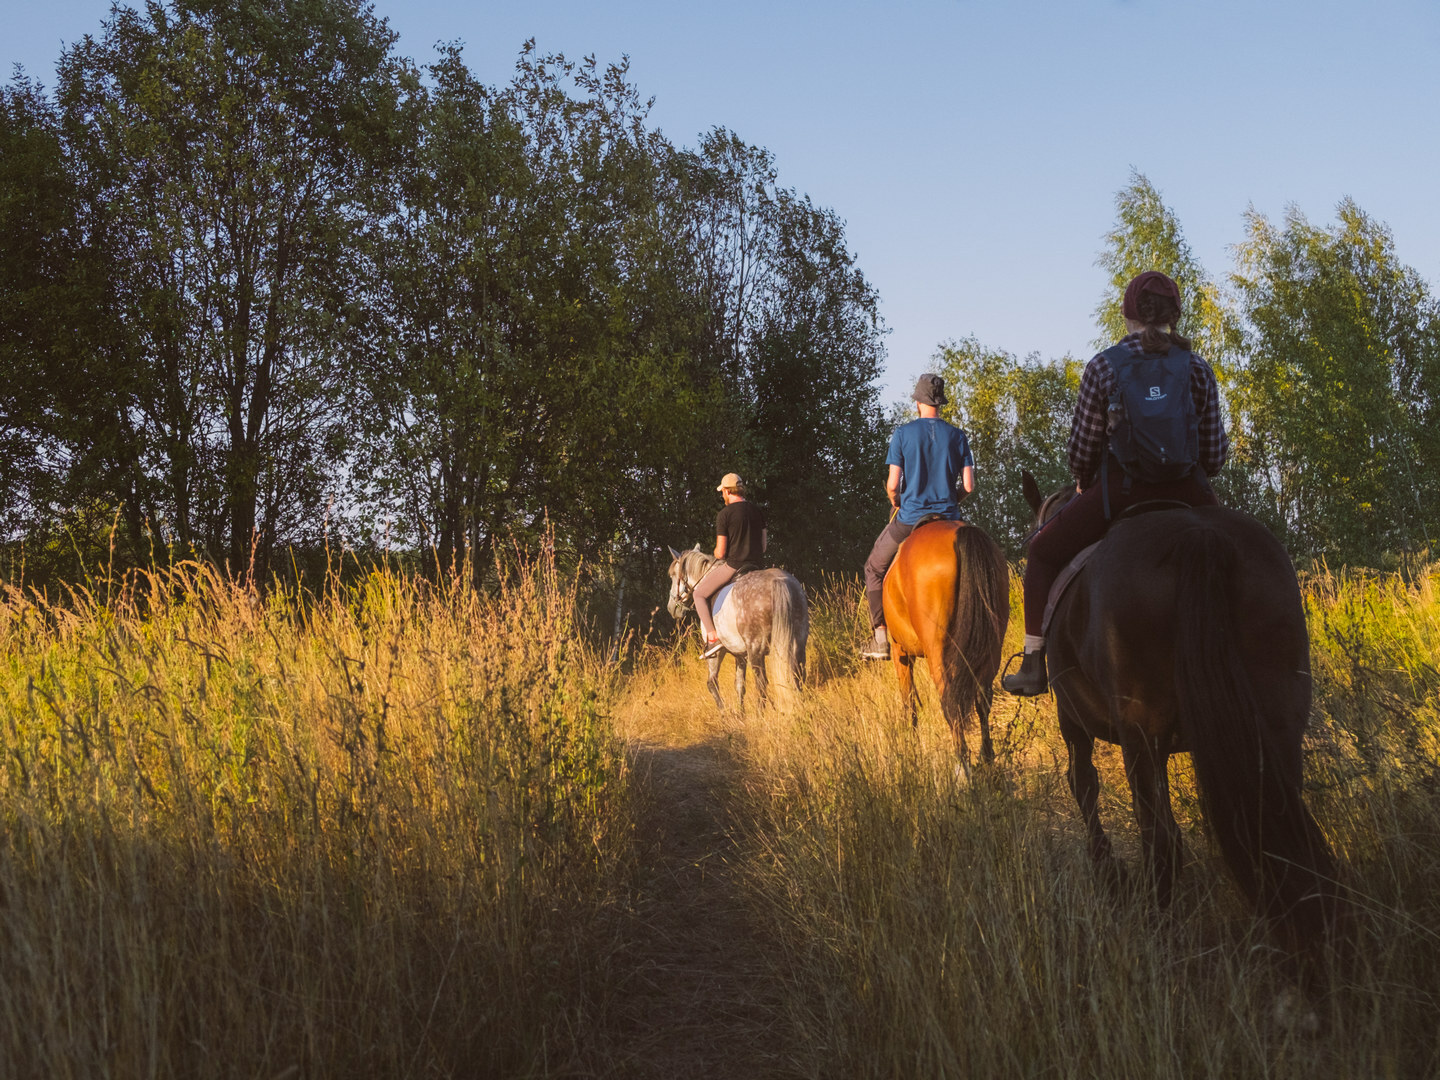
{"points": [[1072, 568], [718, 600]]}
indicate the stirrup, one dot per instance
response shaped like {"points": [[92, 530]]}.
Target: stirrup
{"points": [[874, 650], [1031, 679]]}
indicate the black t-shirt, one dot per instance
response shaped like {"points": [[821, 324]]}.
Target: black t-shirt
{"points": [[741, 523]]}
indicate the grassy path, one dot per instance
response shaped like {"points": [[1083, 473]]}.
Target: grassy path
{"points": [[701, 993]]}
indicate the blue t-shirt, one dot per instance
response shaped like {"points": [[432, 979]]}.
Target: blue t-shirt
{"points": [[931, 453]]}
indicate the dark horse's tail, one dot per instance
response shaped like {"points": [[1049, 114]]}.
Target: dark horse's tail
{"points": [[1249, 782], [982, 612]]}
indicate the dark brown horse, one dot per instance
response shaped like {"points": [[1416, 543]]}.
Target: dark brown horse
{"points": [[1186, 632], [947, 598]]}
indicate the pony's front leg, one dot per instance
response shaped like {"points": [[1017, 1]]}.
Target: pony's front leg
{"points": [[713, 679]]}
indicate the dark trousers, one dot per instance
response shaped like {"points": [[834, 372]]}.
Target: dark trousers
{"points": [[1082, 522], [881, 556]]}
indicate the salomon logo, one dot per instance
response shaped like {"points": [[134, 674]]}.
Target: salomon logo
{"points": [[1155, 393]]}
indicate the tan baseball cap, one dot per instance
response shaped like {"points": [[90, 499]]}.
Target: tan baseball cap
{"points": [[731, 482]]}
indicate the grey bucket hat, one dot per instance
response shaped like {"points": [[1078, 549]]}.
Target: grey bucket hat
{"points": [[930, 390]]}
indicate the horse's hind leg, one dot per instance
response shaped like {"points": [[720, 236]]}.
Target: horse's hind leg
{"points": [[1085, 786], [982, 710], [713, 679], [905, 676], [762, 677], [954, 718], [1147, 768]]}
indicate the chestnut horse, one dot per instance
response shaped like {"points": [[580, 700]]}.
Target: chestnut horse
{"points": [[947, 598], [1185, 631]]}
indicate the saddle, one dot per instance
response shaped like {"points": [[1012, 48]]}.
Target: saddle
{"points": [[929, 518], [1075, 565]]}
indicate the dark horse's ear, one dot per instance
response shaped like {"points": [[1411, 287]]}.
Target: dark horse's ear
{"points": [[1031, 490]]}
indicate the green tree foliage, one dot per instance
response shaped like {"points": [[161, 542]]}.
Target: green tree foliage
{"points": [[1017, 416], [36, 220], [533, 363], [261, 274], [1338, 395], [795, 326], [224, 155]]}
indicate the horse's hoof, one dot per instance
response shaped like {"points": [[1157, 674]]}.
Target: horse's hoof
{"points": [[1293, 1013]]}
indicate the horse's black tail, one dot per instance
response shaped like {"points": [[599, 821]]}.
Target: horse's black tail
{"points": [[1250, 782], [982, 612]]}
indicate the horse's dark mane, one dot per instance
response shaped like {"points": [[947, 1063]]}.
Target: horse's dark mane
{"points": [[1054, 502]]}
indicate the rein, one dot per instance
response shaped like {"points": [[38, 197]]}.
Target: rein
{"points": [[1048, 510], [685, 588]]}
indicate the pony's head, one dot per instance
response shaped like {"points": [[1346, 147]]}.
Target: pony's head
{"points": [[682, 584], [1045, 506]]}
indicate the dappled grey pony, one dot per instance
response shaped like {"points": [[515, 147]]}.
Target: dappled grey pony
{"points": [[760, 613]]}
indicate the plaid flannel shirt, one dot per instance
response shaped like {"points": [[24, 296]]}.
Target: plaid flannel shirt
{"points": [[1089, 440]]}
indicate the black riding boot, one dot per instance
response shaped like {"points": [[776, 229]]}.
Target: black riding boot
{"points": [[1030, 679]]}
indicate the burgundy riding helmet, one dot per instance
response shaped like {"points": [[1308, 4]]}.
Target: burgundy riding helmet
{"points": [[1151, 281]]}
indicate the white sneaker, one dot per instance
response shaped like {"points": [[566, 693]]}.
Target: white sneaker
{"points": [[878, 649], [713, 650]]}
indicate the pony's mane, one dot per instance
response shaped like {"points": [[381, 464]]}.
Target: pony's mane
{"points": [[693, 557]]}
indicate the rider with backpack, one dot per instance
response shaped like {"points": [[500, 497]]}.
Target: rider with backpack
{"points": [[1147, 427]]}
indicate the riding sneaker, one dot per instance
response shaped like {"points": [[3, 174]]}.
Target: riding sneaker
{"points": [[879, 647], [714, 647], [1030, 679]]}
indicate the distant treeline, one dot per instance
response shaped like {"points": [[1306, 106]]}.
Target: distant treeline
{"points": [[265, 283], [1327, 350]]}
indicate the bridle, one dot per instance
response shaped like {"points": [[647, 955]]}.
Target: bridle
{"points": [[684, 591]]}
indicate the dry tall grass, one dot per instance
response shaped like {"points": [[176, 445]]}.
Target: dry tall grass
{"points": [[942, 930], [373, 833], [383, 832]]}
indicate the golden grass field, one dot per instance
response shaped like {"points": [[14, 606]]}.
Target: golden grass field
{"points": [[407, 829]]}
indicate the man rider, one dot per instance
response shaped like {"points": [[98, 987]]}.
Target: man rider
{"points": [[927, 457], [740, 541]]}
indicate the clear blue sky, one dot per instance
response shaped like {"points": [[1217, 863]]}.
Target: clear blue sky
{"points": [[974, 147]]}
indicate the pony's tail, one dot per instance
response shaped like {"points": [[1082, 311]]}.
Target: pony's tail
{"points": [[789, 633], [982, 612], [1249, 786]]}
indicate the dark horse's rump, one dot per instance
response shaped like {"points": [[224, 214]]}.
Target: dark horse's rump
{"points": [[1186, 632]]}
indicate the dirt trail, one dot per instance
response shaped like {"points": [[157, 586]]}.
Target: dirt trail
{"points": [[701, 992]]}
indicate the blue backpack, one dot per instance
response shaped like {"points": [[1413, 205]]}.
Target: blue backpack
{"points": [[1154, 432]]}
